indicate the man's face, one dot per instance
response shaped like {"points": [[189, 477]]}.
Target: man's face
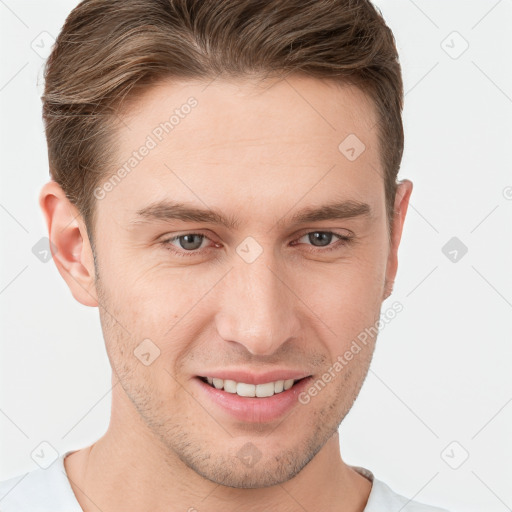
{"points": [[269, 293]]}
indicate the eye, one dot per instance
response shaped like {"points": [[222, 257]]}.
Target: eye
{"points": [[191, 244], [321, 239], [187, 244]]}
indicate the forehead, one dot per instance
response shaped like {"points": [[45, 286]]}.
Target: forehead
{"points": [[243, 142], [296, 107]]}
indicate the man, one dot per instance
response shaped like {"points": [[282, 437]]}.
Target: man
{"points": [[224, 191]]}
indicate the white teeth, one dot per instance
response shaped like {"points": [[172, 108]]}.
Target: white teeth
{"points": [[230, 386], [218, 383], [288, 384], [263, 390], [243, 389], [251, 390]]}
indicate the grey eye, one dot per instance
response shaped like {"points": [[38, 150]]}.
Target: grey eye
{"points": [[320, 238], [190, 241]]}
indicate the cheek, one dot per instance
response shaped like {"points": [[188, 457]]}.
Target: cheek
{"points": [[345, 300], [161, 305], [348, 288], [142, 289]]}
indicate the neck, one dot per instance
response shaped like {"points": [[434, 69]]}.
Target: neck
{"points": [[129, 469]]}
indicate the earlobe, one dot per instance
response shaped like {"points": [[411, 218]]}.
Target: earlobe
{"points": [[402, 196], [70, 245]]}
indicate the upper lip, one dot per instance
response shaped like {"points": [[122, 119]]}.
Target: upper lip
{"points": [[255, 378]]}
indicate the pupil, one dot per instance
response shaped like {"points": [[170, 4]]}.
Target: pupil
{"points": [[189, 240], [320, 236]]}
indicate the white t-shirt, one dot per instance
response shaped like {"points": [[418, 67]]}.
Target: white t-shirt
{"points": [[49, 490]]}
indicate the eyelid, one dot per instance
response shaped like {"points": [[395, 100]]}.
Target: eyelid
{"points": [[338, 239], [343, 233], [300, 234], [174, 238], [342, 240], [167, 237]]}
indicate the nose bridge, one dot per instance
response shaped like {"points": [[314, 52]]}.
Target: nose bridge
{"points": [[257, 309]]}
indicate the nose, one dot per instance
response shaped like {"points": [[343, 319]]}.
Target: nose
{"points": [[257, 306]]}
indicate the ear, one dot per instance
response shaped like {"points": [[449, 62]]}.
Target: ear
{"points": [[402, 196], [70, 245]]}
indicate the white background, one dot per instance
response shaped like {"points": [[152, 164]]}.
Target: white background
{"points": [[441, 371]]}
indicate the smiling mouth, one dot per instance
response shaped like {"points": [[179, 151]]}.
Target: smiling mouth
{"points": [[251, 390]]}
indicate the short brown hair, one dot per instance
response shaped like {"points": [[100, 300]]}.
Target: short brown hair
{"points": [[109, 50]]}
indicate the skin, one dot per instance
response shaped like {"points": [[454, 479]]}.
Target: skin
{"points": [[257, 152]]}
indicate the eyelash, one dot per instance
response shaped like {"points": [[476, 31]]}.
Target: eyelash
{"points": [[342, 241]]}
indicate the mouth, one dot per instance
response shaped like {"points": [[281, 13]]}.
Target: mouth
{"points": [[243, 389], [250, 397]]}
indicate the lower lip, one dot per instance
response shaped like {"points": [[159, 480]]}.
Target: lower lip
{"points": [[255, 410]]}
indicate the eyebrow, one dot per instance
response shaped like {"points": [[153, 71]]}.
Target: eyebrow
{"points": [[166, 210]]}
